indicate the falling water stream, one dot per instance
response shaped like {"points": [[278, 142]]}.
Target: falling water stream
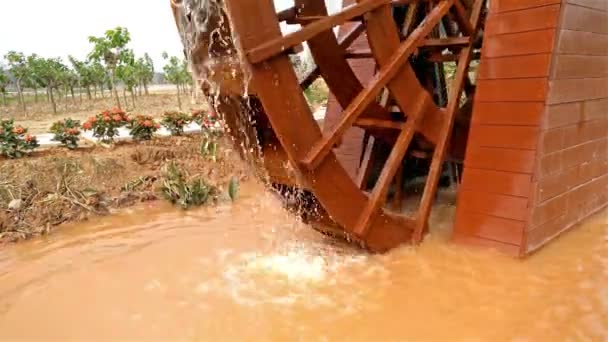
{"points": [[250, 271]]}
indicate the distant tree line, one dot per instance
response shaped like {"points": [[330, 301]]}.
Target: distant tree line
{"points": [[109, 62]]}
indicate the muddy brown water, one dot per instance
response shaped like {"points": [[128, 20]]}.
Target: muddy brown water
{"points": [[252, 272]]}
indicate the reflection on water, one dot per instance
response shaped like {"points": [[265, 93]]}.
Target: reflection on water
{"points": [[251, 272]]}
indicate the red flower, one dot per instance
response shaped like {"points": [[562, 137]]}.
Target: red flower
{"points": [[93, 119], [157, 125], [28, 138], [18, 130], [117, 118], [107, 119], [105, 113], [148, 123], [87, 125]]}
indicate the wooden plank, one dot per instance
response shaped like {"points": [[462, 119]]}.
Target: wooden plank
{"points": [[508, 113], [523, 43], [489, 227], [510, 137], [526, 66], [344, 42], [392, 164], [498, 6], [497, 182], [275, 46], [500, 159], [465, 239], [432, 182], [503, 206], [512, 90], [322, 148], [572, 90], [580, 66], [582, 43], [578, 18], [531, 19], [462, 19], [378, 123], [601, 5]]}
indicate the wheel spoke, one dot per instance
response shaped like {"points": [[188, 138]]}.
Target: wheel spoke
{"points": [[430, 187], [276, 46], [393, 163], [387, 72]]}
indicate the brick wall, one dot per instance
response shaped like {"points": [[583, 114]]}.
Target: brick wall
{"points": [[571, 176], [495, 195]]}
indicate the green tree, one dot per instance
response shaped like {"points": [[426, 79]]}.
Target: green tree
{"points": [[110, 49], [83, 71], [126, 71], [4, 82], [148, 72], [176, 72], [32, 80], [19, 70], [51, 73], [98, 76]]}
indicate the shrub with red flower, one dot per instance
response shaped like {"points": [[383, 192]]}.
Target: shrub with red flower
{"points": [[206, 119], [14, 140], [143, 127], [105, 124], [67, 132], [175, 122]]}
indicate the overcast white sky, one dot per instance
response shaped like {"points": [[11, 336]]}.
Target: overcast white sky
{"points": [[58, 28]]}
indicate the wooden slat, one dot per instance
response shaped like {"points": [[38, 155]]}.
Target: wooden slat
{"points": [[393, 163], [367, 96], [378, 123], [461, 18], [344, 42], [366, 164], [273, 47], [432, 182]]}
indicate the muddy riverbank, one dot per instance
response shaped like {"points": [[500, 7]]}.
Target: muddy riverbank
{"points": [[53, 187]]}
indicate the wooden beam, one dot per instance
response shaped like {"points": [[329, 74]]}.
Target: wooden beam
{"points": [[462, 19], [394, 161], [430, 188], [321, 149], [345, 41], [276, 46], [379, 123]]}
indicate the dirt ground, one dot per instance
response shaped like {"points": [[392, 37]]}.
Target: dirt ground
{"points": [[48, 188], [39, 116]]}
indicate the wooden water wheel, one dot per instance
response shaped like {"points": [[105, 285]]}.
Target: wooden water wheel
{"points": [[241, 58]]}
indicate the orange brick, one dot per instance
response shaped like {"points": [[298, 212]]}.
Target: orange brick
{"points": [[550, 164], [562, 115], [555, 185], [552, 140], [544, 233], [549, 210]]}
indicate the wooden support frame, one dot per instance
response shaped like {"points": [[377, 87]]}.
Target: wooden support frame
{"points": [[310, 152]]}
